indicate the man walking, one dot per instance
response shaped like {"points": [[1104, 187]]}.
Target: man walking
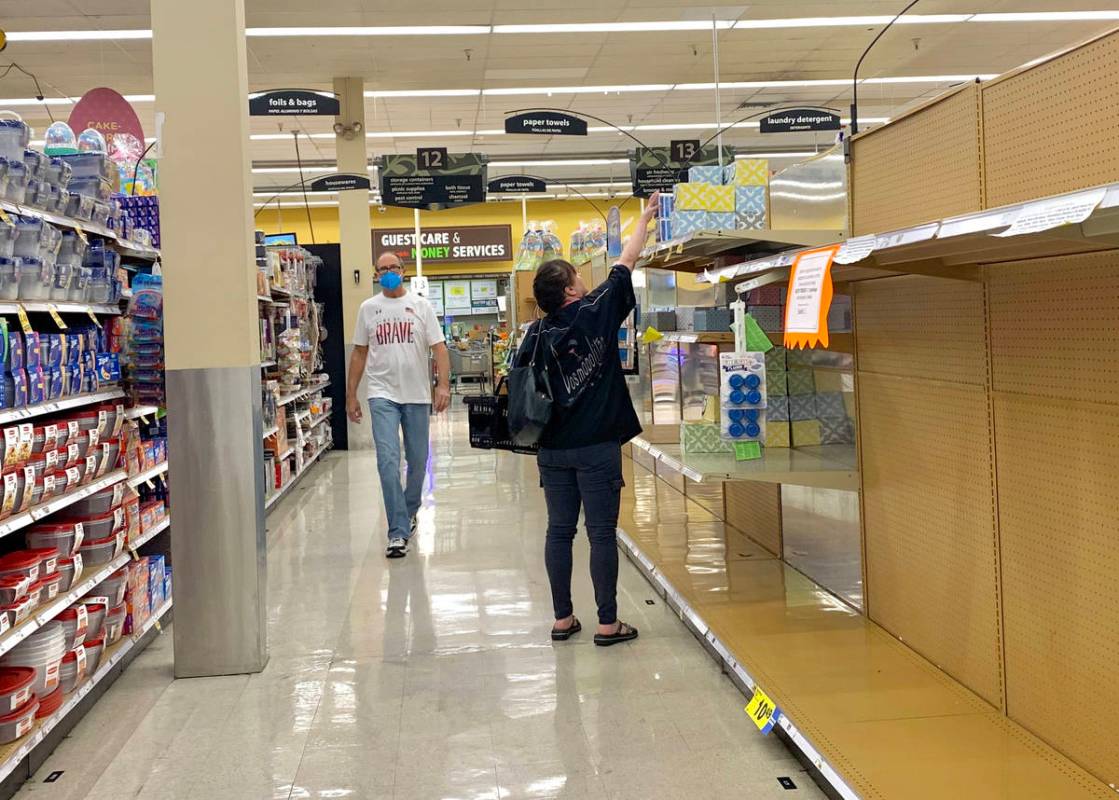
{"points": [[394, 333]]}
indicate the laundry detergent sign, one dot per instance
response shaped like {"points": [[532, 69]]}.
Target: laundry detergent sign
{"points": [[465, 243], [105, 110]]}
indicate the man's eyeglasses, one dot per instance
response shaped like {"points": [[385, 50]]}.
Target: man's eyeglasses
{"points": [[383, 270]]}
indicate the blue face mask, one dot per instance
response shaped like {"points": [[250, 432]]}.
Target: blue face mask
{"points": [[391, 281]]}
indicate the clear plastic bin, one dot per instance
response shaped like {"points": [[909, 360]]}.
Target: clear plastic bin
{"points": [[59, 173], [71, 248], [9, 279], [36, 164], [16, 190], [62, 276], [34, 279], [15, 136], [100, 212], [100, 286], [89, 165], [95, 187], [79, 285], [79, 206], [7, 239], [35, 238]]}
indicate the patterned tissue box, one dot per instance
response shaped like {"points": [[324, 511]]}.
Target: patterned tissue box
{"points": [[837, 431], [830, 380], [748, 172], [849, 403], [704, 197], [777, 408], [798, 358], [777, 433], [722, 220], [806, 433], [802, 406], [769, 318], [703, 437], [750, 207], [801, 381], [772, 295], [712, 175], [685, 222], [829, 405], [775, 360], [776, 382]]}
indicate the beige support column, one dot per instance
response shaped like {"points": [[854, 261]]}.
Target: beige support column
{"points": [[353, 206], [212, 341]]}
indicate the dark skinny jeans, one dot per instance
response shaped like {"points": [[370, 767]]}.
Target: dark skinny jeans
{"points": [[590, 477]]}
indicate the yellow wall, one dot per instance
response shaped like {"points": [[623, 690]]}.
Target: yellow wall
{"points": [[566, 214]]}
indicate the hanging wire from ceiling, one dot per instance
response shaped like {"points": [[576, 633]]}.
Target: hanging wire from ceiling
{"points": [[38, 89]]}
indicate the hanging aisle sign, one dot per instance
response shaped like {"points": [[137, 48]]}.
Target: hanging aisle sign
{"points": [[810, 294], [294, 103], [339, 182], [658, 169], [517, 184], [433, 179], [546, 123], [794, 120]]}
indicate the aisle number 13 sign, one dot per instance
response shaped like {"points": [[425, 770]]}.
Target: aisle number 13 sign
{"points": [[762, 710]]}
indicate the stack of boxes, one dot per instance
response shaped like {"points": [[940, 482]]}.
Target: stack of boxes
{"points": [[149, 587], [766, 305], [143, 214], [731, 197], [817, 405]]}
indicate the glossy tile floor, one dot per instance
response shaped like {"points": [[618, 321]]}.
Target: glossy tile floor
{"points": [[431, 677]]}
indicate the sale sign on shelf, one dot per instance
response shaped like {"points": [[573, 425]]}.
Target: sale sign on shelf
{"points": [[810, 295]]}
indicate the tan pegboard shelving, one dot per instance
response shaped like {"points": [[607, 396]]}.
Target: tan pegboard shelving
{"points": [[1052, 128], [754, 508], [929, 523], [922, 166], [1058, 494]]}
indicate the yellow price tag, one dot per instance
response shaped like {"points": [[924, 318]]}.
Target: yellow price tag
{"points": [[158, 627], [144, 418], [81, 234], [93, 317], [762, 710], [163, 479], [4, 216], [135, 555], [651, 335], [679, 248], [24, 322], [53, 309]]}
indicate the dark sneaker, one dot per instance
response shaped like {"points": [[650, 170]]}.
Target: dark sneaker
{"points": [[415, 525], [398, 548]]}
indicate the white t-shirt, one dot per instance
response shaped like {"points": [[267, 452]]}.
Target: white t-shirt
{"points": [[399, 332]]}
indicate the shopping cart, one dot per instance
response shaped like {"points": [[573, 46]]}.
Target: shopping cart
{"points": [[474, 364]]}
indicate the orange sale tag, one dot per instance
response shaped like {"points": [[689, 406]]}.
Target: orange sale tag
{"points": [[810, 295]]}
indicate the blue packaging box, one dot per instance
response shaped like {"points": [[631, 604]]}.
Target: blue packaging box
{"points": [[36, 386], [108, 367], [15, 351], [55, 388], [721, 220], [750, 208], [712, 175], [685, 222]]}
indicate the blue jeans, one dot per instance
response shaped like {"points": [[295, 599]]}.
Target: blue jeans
{"points": [[389, 419], [590, 477]]}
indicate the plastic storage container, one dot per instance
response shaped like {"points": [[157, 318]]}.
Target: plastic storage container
{"points": [[21, 563], [75, 624], [96, 552], [13, 588], [92, 187], [59, 173], [100, 527], [69, 569], [61, 278], [113, 587], [9, 279], [16, 190], [35, 279], [49, 587], [36, 164], [72, 248], [15, 688], [96, 622], [114, 624], [42, 651], [19, 723], [65, 536], [52, 702], [8, 235], [97, 504], [48, 559], [19, 610], [93, 650], [89, 165], [35, 238], [79, 206], [73, 670]]}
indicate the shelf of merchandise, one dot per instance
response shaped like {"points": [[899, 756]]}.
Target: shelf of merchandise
{"points": [[291, 398], [270, 431], [18, 521], [126, 247], [12, 307], [953, 247], [832, 466], [287, 453], [264, 298], [148, 474], [267, 364], [141, 411], [319, 420], [54, 406], [283, 490], [13, 754], [288, 293], [147, 536], [302, 415], [690, 253]]}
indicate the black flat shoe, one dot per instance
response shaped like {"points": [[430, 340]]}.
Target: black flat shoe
{"points": [[625, 633], [562, 635]]}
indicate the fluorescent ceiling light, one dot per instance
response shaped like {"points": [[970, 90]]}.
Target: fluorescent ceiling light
{"points": [[560, 162], [1045, 16], [930, 79], [75, 36], [646, 87], [833, 22], [287, 137], [282, 170], [425, 93], [805, 154], [414, 134], [383, 30], [615, 27]]}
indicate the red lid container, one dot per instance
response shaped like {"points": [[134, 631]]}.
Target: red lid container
{"points": [[49, 587], [15, 687], [20, 562], [49, 704], [19, 723], [13, 588], [48, 559]]}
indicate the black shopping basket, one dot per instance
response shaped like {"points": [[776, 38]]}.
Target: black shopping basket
{"points": [[489, 423]]}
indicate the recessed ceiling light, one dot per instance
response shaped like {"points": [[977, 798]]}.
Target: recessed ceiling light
{"points": [[381, 30]]}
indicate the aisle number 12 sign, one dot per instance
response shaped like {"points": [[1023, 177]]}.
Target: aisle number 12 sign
{"points": [[810, 295]]}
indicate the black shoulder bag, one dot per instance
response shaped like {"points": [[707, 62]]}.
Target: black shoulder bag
{"points": [[530, 398]]}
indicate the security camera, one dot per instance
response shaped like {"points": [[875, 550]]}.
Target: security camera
{"points": [[339, 128]]}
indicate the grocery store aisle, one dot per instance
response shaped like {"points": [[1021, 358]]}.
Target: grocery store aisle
{"points": [[431, 677]]}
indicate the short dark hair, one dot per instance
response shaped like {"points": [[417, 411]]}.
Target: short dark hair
{"points": [[552, 278]]}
